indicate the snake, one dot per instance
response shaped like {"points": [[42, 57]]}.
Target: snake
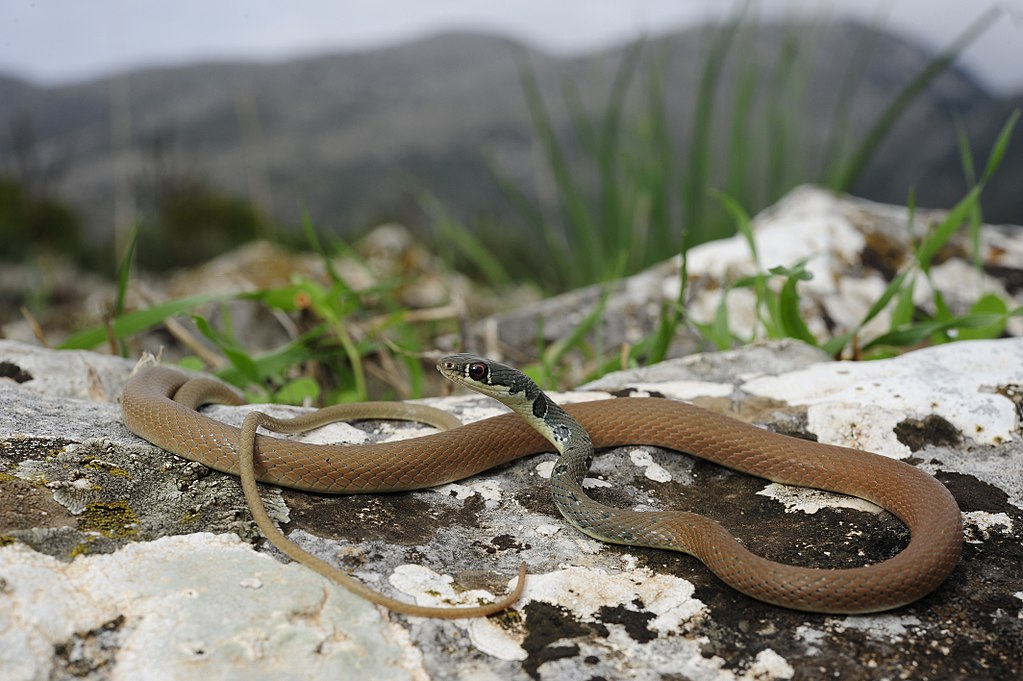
{"points": [[160, 405]]}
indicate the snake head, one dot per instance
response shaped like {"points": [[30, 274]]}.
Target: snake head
{"points": [[487, 377]]}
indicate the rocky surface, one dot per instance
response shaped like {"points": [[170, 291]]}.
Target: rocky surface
{"points": [[120, 561]]}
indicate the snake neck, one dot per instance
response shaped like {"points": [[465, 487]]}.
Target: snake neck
{"points": [[568, 437], [525, 398]]}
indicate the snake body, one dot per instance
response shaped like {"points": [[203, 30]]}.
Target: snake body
{"points": [[916, 498]]}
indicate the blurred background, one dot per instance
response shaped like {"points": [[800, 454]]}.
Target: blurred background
{"points": [[208, 124]]}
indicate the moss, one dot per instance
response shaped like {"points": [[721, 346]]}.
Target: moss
{"points": [[113, 519], [6, 540], [7, 477], [79, 550]]}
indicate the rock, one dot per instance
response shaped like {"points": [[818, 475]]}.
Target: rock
{"points": [[118, 560]]}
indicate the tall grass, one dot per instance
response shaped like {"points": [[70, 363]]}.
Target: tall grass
{"points": [[627, 194]]}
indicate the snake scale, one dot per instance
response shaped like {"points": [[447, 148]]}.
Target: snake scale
{"points": [[159, 404]]}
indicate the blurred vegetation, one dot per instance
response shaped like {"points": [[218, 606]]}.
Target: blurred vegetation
{"points": [[628, 193], [32, 225], [192, 222]]}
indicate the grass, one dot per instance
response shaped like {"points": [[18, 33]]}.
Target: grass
{"points": [[340, 336], [779, 309], [626, 197]]}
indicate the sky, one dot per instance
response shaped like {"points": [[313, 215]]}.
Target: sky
{"points": [[55, 42]]}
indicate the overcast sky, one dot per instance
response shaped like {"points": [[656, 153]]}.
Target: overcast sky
{"points": [[59, 41]]}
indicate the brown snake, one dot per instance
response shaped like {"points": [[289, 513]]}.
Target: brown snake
{"points": [[916, 498]]}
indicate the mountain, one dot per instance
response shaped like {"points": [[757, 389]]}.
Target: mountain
{"points": [[349, 137]]}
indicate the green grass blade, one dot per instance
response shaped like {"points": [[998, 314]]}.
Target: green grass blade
{"points": [[852, 171], [124, 269], [922, 331], [553, 355], [579, 231], [237, 355], [313, 237], [1001, 144], [137, 321], [905, 308], [458, 237], [934, 241], [840, 136], [699, 164]]}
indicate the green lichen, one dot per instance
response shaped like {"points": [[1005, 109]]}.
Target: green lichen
{"points": [[112, 519], [7, 477], [189, 519], [6, 540]]}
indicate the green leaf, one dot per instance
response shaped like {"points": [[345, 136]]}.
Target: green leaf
{"points": [[798, 272], [137, 321], [905, 337], [923, 330], [788, 306], [660, 339], [297, 391], [238, 357], [192, 363], [989, 303], [942, 312], [834, 345]]}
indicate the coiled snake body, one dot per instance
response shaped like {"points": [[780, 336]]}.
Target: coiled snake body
{"points": [[159, 405]]}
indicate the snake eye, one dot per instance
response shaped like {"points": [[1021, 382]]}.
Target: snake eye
{"points": [[477, 371]]}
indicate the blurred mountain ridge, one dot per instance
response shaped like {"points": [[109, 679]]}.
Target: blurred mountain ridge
{"points": [[349, 136]]}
